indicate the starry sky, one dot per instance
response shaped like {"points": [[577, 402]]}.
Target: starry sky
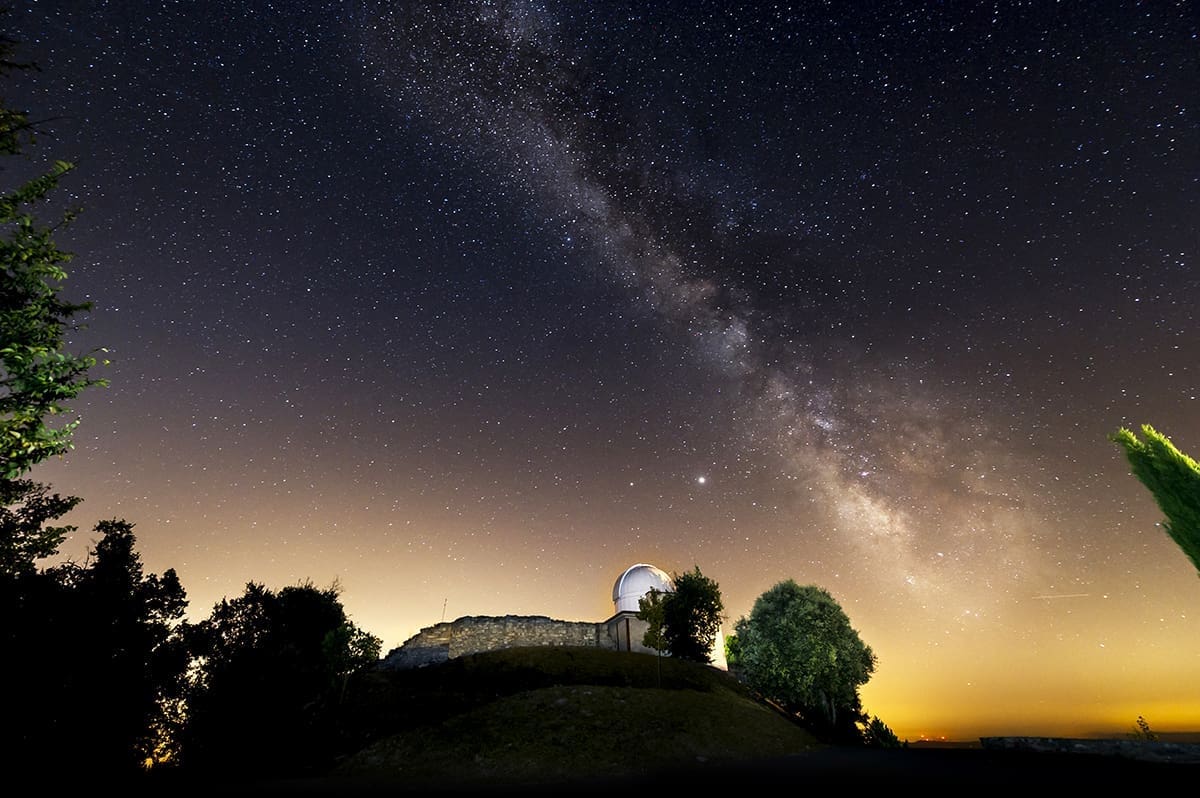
{"points": [[470, 306]]}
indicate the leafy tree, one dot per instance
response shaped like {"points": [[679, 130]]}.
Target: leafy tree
{"points": [[98, 657], [25, 536], [37, 375], [798, 648], [650, 609], [691, 616], [271, 668], [128, 624], [350, 650], [1173, 479], [92, 653]]}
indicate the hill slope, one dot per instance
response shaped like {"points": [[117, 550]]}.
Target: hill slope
{"points": [[544, 715]]}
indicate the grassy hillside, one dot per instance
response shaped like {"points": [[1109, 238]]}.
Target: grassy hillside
{"points": [[540, 715]]}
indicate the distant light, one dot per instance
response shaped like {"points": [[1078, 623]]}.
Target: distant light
{"points": [[702, 480]]}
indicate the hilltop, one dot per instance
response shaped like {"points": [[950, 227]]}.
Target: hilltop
{"points": [[529, 716]]}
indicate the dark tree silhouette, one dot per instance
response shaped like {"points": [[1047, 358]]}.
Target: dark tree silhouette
{"points": [[26, 508], [691, 616], [271, 670], [96, 660], [91, 654]]}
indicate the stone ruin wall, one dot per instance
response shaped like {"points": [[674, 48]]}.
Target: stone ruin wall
{"points": [[473, 634]]}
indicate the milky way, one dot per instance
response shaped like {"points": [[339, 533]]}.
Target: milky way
{"points": [[921, 500]]}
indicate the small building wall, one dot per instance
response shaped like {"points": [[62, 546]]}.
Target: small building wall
{"points": [[625, 632]]}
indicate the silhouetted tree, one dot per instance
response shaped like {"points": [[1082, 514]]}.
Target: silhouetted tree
{"points": [[798, 649], [349, 650], [91, 652], [97, 659], [26, 508], [1173, 479], [877, 735], [270, 671], [691, 616]]}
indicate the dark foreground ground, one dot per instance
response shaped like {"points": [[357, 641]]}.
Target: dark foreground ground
{"points": [[840, 768]]}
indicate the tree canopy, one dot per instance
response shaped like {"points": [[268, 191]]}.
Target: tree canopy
{"points": [[798, 648], [92, 655], [271, 670], [38, 376], [1172, 478], [93, 659], [26, 535], [650, 610], [684, 622], [691, 616]]}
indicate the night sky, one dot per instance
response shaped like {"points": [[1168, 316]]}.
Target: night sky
{"points": [[468, 307]]}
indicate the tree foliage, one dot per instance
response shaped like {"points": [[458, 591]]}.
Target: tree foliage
{"points": [[650, 609], [91, 652], [876, 734], [691, 616], [271, 670], [349, 650], [798, 648], [732, 651], [1172, 478], [94, 658], [26, 535], [38, 376]]}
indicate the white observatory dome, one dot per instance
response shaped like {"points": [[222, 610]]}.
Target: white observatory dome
{"points": [[637, 581]]}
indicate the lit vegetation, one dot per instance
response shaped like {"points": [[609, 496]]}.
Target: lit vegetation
{"points": [[1172, 478]]}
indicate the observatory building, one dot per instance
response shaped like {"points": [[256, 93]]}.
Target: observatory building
{"points": [[623, 631], [624, 628]]}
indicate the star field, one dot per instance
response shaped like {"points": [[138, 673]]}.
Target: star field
{"points": [[476, 304]]}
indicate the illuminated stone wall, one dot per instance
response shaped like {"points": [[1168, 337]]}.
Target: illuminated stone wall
{"points": [[474, 634]]}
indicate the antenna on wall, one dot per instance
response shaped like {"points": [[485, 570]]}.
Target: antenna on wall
{"points": [[444, 608]]}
